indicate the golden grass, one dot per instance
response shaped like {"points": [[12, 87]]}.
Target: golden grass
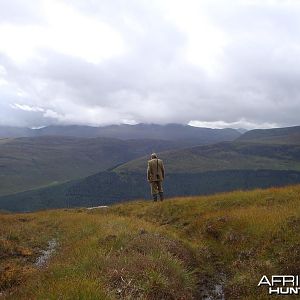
{"points": [[145, 250]]}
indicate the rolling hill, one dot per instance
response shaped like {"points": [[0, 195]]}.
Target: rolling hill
{"points": [[211, 247], [224, 156], [277, 149], [286, 135], [27, 163]]}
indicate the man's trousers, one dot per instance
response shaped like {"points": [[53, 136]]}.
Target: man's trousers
{"points": [[156, 187]]}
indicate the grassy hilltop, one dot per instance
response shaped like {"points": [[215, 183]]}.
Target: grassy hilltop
{"points": [[182, 248]]}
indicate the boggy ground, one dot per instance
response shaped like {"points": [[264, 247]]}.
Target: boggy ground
{"points": [[178, 249]]}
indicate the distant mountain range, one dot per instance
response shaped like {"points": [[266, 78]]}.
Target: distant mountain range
{"points": [[249, 161], [171, 132]]}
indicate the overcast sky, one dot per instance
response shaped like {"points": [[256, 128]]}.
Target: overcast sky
{"points": [[97, 62]]}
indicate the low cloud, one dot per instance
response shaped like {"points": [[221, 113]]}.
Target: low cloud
{"points": [[26, 107]]}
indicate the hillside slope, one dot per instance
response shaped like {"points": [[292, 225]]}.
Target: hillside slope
{"points": [[277, 149], [286, 135], [186, 248], [107, 188], [224, 156], [27, 163]]}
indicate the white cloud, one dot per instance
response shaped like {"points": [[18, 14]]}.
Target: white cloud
{"points": [[66, 31], [219, 63], [204, 40], [237, 124], [25, 107]]}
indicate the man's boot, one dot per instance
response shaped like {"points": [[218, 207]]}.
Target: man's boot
{"points": [[154, 197], [161, 196]]}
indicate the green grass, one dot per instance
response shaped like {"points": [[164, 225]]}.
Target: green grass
{"points": [[177, 249]]}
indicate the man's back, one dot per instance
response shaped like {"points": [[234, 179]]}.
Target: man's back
{"points": [[155, 170]]}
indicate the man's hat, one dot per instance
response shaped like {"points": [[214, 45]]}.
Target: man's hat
{"points": [[153, 155]]}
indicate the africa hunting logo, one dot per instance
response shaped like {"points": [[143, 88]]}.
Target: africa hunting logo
{"points": [[281, 284]]}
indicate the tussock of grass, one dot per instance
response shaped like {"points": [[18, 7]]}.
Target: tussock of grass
{"points": [[176, 249]]}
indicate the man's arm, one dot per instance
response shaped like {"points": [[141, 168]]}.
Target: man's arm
{"points": [[163, 170], [148, 172]]}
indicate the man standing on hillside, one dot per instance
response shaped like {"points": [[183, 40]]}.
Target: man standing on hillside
{"points": [[155, 176]]}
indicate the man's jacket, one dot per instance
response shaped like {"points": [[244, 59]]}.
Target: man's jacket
{"points": [[155, 170]]}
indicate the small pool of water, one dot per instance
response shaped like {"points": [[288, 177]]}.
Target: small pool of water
{"points": [[46, 254]]}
